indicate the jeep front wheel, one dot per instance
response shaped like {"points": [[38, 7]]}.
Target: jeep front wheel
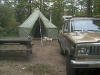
{"points": [[69, 69]]}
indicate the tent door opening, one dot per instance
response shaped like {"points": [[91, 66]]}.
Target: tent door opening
{"points": [[36, 32]]}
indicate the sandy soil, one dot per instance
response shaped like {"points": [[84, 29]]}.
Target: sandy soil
{"points": [[45, 60]]}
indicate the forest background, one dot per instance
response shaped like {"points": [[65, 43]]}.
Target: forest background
{"points": [[14, 12]]}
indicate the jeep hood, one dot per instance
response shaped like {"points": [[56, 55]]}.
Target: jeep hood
{"points": [[83, 37]]}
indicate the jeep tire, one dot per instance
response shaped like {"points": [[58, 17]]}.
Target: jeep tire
{"points": [[69, 69]]}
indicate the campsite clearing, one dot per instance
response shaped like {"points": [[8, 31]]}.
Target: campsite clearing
{"points": [[45, 60]]}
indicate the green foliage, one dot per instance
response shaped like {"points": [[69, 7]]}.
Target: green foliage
{"points": [[22, 11], [5, 14], [8, 23], [57, 13], [97, 8]]}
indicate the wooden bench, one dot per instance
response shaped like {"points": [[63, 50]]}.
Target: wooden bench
{"points": [[17, 42]]}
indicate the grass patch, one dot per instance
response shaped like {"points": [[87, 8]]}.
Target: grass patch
{"points": [[40, 69], [13, 46]]}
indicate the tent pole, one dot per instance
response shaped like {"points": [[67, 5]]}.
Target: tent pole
{"points": [[40, 33]]}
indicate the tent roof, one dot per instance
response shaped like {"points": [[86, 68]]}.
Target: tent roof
{"points": [[30, 21]]}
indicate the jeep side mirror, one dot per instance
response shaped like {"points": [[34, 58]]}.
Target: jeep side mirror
{"points": [[60, 31], [65, 31]]}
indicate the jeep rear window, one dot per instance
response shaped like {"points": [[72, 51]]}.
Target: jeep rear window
{"points": [[85, 25]]}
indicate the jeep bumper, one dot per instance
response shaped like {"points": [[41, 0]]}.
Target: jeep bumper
{"points": [[85, 64]]}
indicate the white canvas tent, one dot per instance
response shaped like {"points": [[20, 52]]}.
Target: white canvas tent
{"points": [[35, 23]]}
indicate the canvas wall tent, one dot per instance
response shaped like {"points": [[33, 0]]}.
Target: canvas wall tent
{"points": [[37, 23]]}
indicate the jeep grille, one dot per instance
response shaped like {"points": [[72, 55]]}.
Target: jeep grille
{"points": [[94, 50], [88, 50]]}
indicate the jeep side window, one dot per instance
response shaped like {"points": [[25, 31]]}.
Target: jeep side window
{"points": [[66, 27], [72, 27]]}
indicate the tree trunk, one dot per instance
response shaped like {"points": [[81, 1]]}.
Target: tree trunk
{"points": [[89, 8], [30, 10], [0, 1]]}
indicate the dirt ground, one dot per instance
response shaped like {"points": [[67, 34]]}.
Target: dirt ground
{"points": [[45, 60]]}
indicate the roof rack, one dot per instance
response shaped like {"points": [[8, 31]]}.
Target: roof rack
{"points": [[67, 17]]}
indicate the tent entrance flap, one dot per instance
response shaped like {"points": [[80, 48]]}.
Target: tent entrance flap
{"points": [[36, 32]]}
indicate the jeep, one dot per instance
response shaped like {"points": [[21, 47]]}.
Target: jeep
{"points": [[79, 41]]}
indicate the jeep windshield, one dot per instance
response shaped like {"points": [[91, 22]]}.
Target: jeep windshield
{"points": [[85, 25]]}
